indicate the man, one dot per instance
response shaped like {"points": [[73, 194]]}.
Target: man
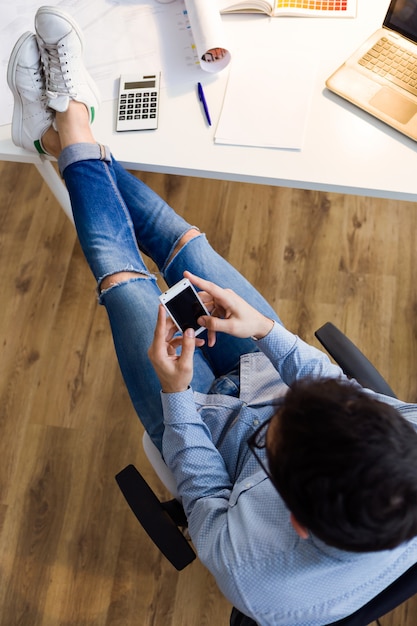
{"points": [[299, 486]]}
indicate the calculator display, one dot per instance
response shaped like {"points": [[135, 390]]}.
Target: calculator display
{"points": [[141, 84]]}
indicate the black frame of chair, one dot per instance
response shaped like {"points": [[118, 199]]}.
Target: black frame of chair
{"points": [[352, 361], [160, 521]]}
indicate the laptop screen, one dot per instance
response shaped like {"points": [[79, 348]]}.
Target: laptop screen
{"points": [[402, 17]]}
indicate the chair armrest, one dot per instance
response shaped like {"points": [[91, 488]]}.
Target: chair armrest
{"points": [[154, 519], [352, 361]]}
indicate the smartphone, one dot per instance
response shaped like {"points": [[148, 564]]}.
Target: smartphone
{"points": [[184, 306]]}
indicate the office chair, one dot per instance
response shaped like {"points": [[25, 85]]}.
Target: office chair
{"points": [[163, 521]]}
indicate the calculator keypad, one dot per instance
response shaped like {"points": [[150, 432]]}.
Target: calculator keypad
{"points": [[138, 105]]}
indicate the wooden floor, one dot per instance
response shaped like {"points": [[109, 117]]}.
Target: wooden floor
{"points": [[71, 553]]}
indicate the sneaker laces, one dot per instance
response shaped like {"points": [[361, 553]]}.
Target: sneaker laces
{"points": [[39, 77], [58, 79]]}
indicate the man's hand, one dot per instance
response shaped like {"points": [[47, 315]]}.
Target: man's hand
{"points": [[174, 371], [229, 312]]}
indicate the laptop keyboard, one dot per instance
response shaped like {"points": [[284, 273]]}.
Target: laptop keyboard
{"points": [[394, 63]]}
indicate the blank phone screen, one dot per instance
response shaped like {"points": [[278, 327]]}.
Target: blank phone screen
{"points": [[186, 309]]}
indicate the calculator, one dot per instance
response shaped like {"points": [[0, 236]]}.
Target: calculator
{"points": [[138, 102]]}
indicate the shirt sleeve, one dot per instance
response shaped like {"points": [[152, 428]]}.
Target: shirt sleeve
{"points": [[205, 488], [190, 453], [293, 358]]}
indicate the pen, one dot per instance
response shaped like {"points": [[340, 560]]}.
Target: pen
{"points": [[204, 102]]}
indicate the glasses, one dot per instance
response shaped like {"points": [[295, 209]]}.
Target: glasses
{"points": [[257, 441]]}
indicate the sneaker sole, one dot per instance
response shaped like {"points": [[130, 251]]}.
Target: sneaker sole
{"points": [[64, 15], [18, 104]]}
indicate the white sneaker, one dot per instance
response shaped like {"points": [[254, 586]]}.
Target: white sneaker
{"points": [[61, 44], [31, 117]]}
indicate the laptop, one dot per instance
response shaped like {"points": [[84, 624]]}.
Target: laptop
{"points": [[381, 76]]}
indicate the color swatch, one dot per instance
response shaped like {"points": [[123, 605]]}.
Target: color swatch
{"points": [[313, 5]]}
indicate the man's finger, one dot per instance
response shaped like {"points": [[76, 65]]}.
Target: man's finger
{"points": [[160, 328], [211, 322], [188, 345], [185, 361], [203, 284], [158, 342]]}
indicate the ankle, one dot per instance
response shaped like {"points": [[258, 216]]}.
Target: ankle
{"points": [[50, 142], [73, 125]]}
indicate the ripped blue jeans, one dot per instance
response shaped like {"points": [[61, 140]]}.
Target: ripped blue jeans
{"points": [[117, 217]]}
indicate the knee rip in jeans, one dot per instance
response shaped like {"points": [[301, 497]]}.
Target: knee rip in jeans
{"points": [[118, 278], [186, 237]]}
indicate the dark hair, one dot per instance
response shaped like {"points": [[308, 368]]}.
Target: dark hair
{"points": [[345, 464]]}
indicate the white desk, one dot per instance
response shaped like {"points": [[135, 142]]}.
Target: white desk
{"points": [[345, 150]]}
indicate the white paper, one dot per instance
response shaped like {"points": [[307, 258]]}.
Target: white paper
{"points": [[208, 33], [267, 105]]}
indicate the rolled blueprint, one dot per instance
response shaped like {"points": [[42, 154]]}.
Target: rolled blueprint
{"points": [[208, 34]]}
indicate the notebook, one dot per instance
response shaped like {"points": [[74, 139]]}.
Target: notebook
{"points": [[381, 76]]}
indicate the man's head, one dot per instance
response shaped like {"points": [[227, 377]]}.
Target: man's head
{"points": [[345, 464]]}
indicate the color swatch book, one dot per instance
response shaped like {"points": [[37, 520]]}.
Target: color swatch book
{"points": [[301, 8]]}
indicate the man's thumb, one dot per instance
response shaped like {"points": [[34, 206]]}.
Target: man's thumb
{"points": [[188, 344]]}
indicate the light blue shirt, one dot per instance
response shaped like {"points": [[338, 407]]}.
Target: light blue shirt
{"points": [[239, 525]]}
